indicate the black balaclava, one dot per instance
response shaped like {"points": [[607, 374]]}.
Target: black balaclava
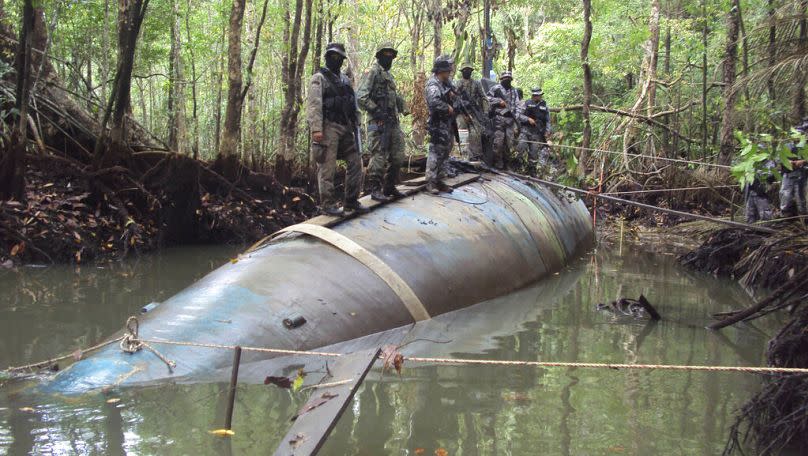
{"points": [[333, 62], [466, 73], [386, 61], [506, 83]]}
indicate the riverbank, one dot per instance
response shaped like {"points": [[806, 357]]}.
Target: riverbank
{"points": [[66, 218]]}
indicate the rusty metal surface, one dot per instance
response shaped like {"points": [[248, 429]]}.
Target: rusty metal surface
{"points": [[487, 239]]}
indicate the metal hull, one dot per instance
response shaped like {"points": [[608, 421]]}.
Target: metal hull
{"points": [[486, 240]]}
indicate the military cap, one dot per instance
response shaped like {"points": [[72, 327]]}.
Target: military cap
{"points": [[505, 75], [536, 91], [387, 46], [442, 63], [337, 48], [467, 65]]}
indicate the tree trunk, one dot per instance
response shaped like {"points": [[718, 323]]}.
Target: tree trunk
{"points": [[292, 66], [104, 57], [727, 147], [12, 159], [704, 34], [130, 18], [772, 51], [587, 133], [176, 87], [801, 76], [648, 89], [228, 147], [318, 39], [437, 27], [194, 113]]}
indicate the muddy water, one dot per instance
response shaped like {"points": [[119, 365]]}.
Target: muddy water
{"points": [[475, 410]]}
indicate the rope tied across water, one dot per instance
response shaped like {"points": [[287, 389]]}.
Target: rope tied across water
{"points": [[130, 342]]}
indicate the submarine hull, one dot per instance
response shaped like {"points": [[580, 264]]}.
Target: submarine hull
{"points": [[489, 238]]}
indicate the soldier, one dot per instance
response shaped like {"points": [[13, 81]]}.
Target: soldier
{"points": [[505, 108], [756, 195], [792, 190], [474, 115], [378, 96], [333, 119], [535, 129], [441, 124]]}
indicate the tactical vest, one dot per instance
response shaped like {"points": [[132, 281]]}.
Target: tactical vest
{"points": [[538, 112], [339, 101]]}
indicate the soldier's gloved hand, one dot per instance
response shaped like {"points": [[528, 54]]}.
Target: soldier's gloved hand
{"points": [[317, 136], [531, 121], [502, 104]]}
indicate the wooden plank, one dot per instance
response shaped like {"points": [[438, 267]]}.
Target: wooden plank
{"points": [[409, 188], [315, 421]]}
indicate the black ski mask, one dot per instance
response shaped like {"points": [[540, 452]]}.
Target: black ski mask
{"points": [[506, 83], [333, 62], [466, 73], [386, 61]]}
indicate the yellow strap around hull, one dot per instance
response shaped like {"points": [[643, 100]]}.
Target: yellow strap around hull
{"points": [[371, 261]]}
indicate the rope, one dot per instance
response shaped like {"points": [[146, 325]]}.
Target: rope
{"points": [[50, 362], [130, 343], [642, 205], [679, 367], [134, 341], [676, 189], [674, 160]]}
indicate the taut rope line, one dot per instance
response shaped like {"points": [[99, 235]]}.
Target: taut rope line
{"points": [[131, 343]]}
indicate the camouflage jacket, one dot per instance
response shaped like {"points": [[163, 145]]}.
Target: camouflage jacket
{"points": [[510, 97], [322, 91], [471, 91], [377, 90], [439, 99]]}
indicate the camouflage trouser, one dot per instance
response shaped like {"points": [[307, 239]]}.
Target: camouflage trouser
{"points": [[385, 165], [537, 154], [757, 208], [473, 151], [436, 160], [504, 143], [792, 194], [338, 142]]}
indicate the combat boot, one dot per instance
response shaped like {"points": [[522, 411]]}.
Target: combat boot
{"points": [[332, 210], [376, 193], [390, 189], [355, 207], [444, 188], [394, 193]]}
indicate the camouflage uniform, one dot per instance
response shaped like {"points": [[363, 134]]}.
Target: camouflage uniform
{"points": [[377, 95], [505, 126], [331, 109], [472, 117], [531, 135], [440, 123], [756, 195]]}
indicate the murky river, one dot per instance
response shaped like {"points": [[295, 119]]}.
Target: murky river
{"points": [[430, 409]]}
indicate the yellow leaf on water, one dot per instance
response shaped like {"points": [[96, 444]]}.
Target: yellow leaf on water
{"points": [[113, 400], [222, 432], [234, 260], [27, 409]]}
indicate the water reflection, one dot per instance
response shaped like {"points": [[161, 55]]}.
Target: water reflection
{"points": [[466, 410]]}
